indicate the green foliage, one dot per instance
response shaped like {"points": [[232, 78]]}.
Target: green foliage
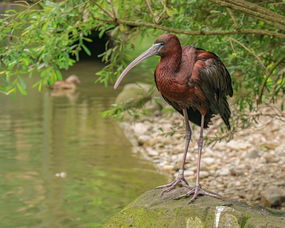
{"points": [[41, 39], [44, 36]]}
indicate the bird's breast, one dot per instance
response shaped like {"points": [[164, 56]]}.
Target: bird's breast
{"points": [[183, 95], [170, 88]]}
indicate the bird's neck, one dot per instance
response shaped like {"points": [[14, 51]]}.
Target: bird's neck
{"points": [[170, 64]]}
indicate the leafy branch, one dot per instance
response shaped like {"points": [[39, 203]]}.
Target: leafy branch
{"points": [[47, 36], [268, 75], [256, 11], [189, 32]]}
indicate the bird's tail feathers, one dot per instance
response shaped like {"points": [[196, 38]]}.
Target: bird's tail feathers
{"points": [[225, 112]]}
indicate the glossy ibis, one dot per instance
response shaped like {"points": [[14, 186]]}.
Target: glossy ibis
{"points": [[196, 83]]}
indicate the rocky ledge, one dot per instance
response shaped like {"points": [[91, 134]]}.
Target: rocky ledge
{"points": [[250, 167], [152, 210]]}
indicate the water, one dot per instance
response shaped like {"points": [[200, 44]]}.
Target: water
{"points": [[62, 164]]}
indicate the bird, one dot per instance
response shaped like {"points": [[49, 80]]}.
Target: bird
{"points": [[67, 84], [196, 83]]}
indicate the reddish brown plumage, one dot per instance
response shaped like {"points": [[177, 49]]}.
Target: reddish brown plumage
{"points": [[193, 78]]}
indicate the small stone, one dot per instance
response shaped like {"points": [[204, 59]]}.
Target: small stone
{"points": [[174, 158], [168, 167], [151, 142], [236, 171], [142, 139], [269, 158], [139, 128], [273, 196], [238, 145], [188, 173], [151, 152], [204, 174], [223, 172], [61, 174], [252, 154], [237, 183], [208, 160], [167, 141]]}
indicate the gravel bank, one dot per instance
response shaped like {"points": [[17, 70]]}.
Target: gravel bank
{"points": [[250, 167]]}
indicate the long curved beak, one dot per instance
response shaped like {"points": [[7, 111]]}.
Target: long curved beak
{"points": [[153, 50]]}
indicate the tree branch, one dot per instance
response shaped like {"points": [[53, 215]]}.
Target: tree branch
{"points": [[157, 19], [150, 10], [261, 91], [254, 10], [260, 9], [106, 12], [113, 9], [230, 12], [163, 15], [189, 32]]}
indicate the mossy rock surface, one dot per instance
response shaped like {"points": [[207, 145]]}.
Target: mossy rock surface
{"points": [[132, 91], [152, 210]]}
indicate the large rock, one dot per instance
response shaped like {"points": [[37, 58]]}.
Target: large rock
{"points": [[132, 91], [151, 210], [273, 196]]}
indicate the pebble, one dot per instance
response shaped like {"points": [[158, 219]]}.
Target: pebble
{"points": [[188, 173], [143, 139], [204, 174], [167, 167], [269, 158], [152, 152], [238, 145], [223, 172], [252, 154], [235, 172], [208, 160], [139, 128], [61, 174]]}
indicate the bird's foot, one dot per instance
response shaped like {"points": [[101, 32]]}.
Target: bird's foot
{"points": [[197, 190], [168, 187]]}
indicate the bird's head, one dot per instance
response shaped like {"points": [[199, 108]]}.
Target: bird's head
{"points": [[162, 46], [73, 79]]}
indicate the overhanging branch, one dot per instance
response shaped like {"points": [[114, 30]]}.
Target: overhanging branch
{"points": [[254, 10], [189, 32]]}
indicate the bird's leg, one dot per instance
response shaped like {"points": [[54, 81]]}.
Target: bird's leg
{"points": [[180, 180], [197, 190]]}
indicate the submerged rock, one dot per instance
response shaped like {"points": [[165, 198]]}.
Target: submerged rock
{"points": [[151, 210]]}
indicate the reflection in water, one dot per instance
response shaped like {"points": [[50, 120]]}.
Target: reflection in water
{"points": [[61, 163]]}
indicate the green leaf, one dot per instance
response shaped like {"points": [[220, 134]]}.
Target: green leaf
{"points": [[21, 89], [86, 49]]}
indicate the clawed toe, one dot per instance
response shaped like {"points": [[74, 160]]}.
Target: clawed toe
{"points": [[168, 187], [165, 186], [196, 191]]}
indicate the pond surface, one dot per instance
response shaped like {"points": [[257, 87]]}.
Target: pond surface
{"points": [[62, 164]]}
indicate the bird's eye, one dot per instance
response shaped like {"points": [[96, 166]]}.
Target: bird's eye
{"points": [[160, 43]]}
